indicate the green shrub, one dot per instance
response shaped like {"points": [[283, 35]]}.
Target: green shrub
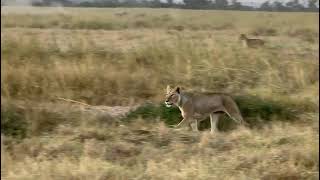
{"points": [[150, 111]]}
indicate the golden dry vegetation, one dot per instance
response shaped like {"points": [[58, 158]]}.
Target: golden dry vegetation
{"points": [[103, 59]]}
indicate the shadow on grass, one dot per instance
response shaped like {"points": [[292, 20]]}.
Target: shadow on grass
{"points": [[255, 110]]}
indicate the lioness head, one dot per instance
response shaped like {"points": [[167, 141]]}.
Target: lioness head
{"points": [[172, 96]]}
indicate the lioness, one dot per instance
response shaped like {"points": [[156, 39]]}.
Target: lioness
{"points": [[251, 43], [196, 107]]}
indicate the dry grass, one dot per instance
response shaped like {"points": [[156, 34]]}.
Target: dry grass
{"points": [[153, 151], [98, 57], [95, 69]]}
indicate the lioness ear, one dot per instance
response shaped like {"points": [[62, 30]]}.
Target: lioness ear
{"points": [[168, 88], [177, 90]]}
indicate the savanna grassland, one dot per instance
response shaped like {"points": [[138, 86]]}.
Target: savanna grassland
{"points": [[115, 58]]}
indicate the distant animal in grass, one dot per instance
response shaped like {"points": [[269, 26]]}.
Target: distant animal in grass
{"points": [[251, 43]]}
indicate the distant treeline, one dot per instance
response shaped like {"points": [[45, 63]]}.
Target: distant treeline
{"points": [[293, 5]]}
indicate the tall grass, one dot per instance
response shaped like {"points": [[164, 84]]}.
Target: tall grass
{"points": [[83, 69]]}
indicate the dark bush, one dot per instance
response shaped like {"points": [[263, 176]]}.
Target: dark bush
{"points": [[13, 122]]}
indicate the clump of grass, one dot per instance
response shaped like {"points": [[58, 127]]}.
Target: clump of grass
{"points": [[264, 31], [150, 111], [121, 14], [253, 107], [225, 26], [13, 121], [141, 15], [177, 27], [305, 34], [28, 119], [142, 24], [95, 25]]}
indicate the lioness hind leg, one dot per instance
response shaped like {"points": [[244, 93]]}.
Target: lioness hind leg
{"points": [[235, 116], [181, 122], [238, 118]]}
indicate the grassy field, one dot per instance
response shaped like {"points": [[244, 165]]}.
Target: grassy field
{"points": [[121, 58]]}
